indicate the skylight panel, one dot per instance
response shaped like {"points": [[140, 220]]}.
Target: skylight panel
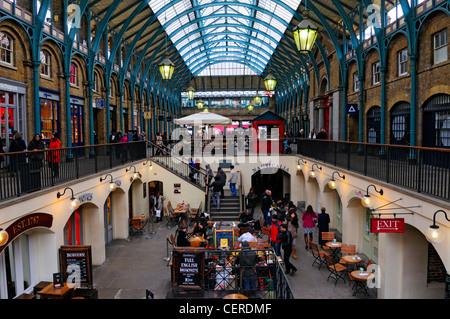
{"points": [[238, 38]]}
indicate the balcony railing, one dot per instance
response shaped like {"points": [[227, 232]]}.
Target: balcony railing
{"points": [[421, 169], [26, 172]]}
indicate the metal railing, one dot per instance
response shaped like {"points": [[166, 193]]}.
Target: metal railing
{"points": [[223, 275], [421, 169], [26, 172]]}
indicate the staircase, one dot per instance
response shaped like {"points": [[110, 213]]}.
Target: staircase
{"points": [[229, 208]]}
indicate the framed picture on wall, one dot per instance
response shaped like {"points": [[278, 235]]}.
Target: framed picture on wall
{"points": [[144, 188]]}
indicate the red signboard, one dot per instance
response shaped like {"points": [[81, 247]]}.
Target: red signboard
{"points": [[387, 225]]}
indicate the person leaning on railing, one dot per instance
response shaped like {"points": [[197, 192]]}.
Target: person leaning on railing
{"points": [[53, 157]]}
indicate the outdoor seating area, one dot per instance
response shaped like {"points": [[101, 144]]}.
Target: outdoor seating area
{"points": [[343, 263]]}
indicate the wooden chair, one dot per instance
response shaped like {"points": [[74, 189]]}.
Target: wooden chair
{"points": [[169, 207], [319, 255], [171, 218], [348, 250], [327, 236], [194, 213], [337, 270]]}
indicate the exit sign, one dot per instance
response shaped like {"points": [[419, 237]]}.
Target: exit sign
{"points": [[387, 225]]}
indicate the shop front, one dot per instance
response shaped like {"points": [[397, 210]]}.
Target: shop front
{"points": [[12, 110], [49, 101]]}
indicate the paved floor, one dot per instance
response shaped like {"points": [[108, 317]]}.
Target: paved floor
{"points": [[133, 266]]}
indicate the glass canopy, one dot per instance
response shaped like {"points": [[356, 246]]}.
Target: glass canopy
{"points": [[225, 38]]}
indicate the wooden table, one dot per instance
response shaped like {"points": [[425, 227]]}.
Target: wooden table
{"points": [[235, 296], [51, 293], [334, 246], [350, 259], [361, 281], [196, 240]]}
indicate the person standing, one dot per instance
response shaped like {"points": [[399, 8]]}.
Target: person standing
{"points": [[323, 224], [223, 179], [266, 202], [233, 180], [36, 144], [274, 231], [312, 134], [285, 237], [17, 145], [322, 135], [54, 157], [247, 260], [216, 188], [209, 174], [159, 207], [293, 226], [309, 218], [251, 201]]}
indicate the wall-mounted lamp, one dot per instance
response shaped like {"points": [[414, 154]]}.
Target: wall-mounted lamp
{"points": [[4, 236], [135, 173], [433, 233], [298, 163], [365, 201], [74, 202], [332, 182], [151, 164], [312, 173], [112, 186]]}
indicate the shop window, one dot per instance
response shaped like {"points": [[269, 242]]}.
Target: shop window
{"points": [[436, 121], [49, 117], [440, 47], [74, 74], [403, 62], [400, 123], [72, 230], [45, 63], [376, 73], [95, 88], [355, 82], [373, 125], [6, 49]]}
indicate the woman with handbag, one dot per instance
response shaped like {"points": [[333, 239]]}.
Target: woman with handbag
{"points": [[309, 218]]}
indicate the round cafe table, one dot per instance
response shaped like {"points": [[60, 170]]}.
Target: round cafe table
{"points": [[361, 281], [352, 259], [334, 246], [235, 296]]}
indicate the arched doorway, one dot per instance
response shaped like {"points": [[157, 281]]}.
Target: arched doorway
{"points": [[374, 125], [276, 180], [400, 123]]}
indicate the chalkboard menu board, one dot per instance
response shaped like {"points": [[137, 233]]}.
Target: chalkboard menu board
{"points": [[224, 238], [76, 265], [189, 265]]}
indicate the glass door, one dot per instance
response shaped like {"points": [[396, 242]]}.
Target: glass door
{"points": [[108, 221], [370, 240], [7, 117]]}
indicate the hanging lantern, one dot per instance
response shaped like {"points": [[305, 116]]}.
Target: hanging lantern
{"points": [[270, 82], [250, 107], [190, 93], [200, 104], [166, 67], [305, 34], [257, 99]]}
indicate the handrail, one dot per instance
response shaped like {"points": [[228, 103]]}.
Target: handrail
{"points": [[421, 169]]}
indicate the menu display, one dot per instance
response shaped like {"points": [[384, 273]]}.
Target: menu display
{"points": [[189, 266], [76, 265]]}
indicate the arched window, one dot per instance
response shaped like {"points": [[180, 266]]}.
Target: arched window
{"points": [[373, 125], [45, 63], [74, 74], [6, 49], [400, 115], [436, 121]]}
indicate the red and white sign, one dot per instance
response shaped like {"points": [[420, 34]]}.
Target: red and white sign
{"points": [[387, 225]]}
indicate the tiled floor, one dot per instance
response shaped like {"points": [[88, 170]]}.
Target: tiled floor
{"points": [[133, 266]]}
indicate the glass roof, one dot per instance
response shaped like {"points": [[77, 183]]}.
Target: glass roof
{"points": [[225, 37]]}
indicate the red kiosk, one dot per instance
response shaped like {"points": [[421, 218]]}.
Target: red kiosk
{"points": [[263, 124]]}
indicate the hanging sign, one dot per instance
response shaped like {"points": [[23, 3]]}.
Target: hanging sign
{"points": [[352, 109], [387, 225], [26, 223]]}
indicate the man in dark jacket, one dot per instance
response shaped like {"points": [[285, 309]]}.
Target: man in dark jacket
{"points": [[181, 238], [266, 202], [323, 224], [286, 243], [247, 260], [222, 178], [217, 188]]}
